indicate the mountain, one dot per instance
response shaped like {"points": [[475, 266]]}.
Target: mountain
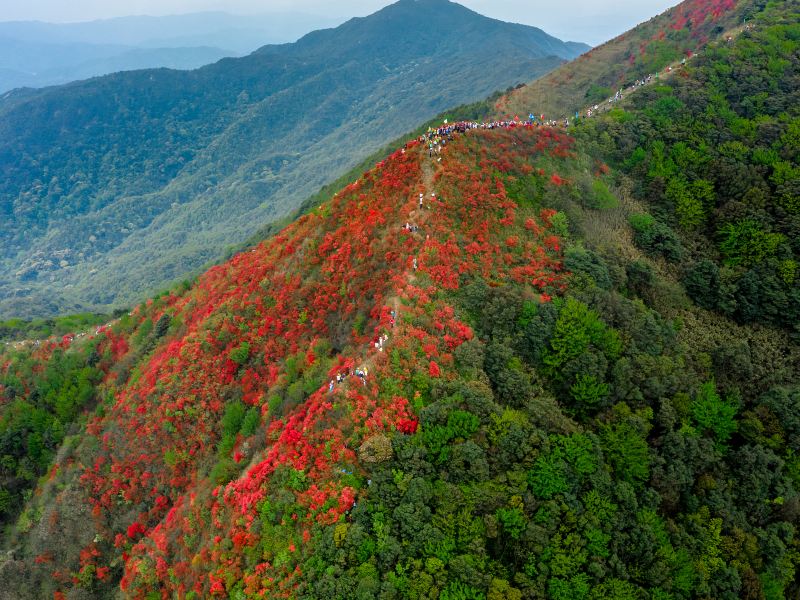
{"points": [[574, 376], [37, 54], [29, 64], [120, 184]]}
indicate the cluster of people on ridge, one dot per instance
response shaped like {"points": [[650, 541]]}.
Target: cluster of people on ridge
{"points": [[362, 373]]}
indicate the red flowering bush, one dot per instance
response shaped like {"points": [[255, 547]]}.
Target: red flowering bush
{"points": [[135, 530]]}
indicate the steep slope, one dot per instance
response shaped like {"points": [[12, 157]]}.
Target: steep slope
{"points": [[312, 304], [126, 182], [599, 73], [521, 395], [712, 154]]}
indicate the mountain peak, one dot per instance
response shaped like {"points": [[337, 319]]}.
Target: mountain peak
{"points": [[410, 27]]}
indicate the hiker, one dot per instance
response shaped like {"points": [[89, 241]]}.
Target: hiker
{"points": [[330, 387], [415, 264], [421, 197]]}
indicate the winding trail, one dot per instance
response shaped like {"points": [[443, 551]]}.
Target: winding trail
{"points": [[418, 217]]}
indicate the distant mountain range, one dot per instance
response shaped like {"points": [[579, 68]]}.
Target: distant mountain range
{"points": [[118, 185], [37, 54], [31, 64]]}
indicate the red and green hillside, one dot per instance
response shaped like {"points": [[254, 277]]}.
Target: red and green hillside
{"points": [[258, 341], [572, 374], [598, 74]]}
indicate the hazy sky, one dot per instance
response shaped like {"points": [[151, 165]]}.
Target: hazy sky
{"points": [[591, 21]]}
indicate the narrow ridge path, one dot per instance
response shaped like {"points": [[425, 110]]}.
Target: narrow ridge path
{"points": [[417, 217]]}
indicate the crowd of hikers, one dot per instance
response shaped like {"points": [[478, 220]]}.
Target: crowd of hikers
{"points": [[436, 139], [363, 372]]}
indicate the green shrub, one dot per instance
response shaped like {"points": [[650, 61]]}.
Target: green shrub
{"points": [[240, 354], [714, 415], [655, 238]]}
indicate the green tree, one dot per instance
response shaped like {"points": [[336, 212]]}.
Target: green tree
{"points": [[240, 354], [547, 478], [589, 393], [714, 415], [576, 329], [747, 243], [655, 238], [625, 444]]}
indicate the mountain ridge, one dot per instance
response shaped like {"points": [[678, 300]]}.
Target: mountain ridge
{"points": [[676, 33]]}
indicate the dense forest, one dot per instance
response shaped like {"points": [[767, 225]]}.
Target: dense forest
{"points": [[577, 378], [713, 153]]}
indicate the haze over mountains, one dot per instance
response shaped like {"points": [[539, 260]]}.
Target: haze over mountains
{"points": [[37, 54], [117, 185]]}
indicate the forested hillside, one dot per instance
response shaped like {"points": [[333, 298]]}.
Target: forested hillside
{"points": [[571, 371], [713, 157], [123, 184], [678, 33]]}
